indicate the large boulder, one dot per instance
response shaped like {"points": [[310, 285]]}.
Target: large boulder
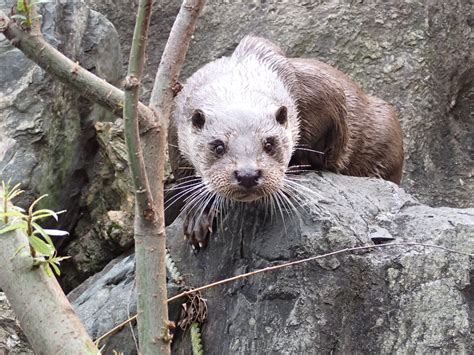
{"points": [[417, 55], [48, 139], [379, 301]]}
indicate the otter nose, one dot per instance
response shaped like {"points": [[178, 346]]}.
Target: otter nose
{"points": [[248, 177]]}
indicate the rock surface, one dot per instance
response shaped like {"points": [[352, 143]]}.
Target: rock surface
{"points": [[392, 300], [12, 339], [415, 54], [48, 140]]}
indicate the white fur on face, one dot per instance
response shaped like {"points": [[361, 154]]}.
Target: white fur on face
{"points": [[239, 97]]}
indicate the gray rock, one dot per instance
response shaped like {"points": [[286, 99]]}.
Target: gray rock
{"points": [[392, 300], [417, 55], [12, 339], [48, 139]]}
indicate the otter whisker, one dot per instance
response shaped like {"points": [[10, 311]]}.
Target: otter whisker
{"points": [[178, 197], [217, 205], [293, 211], [182, 185], [310, 150], [180, 194], [193, 176], [189, 200], [193, 200], [292, 167], [301, 194], [265, 203], [205, 204], [296, 172], [300, 199], [292, 181], [278, 204]]}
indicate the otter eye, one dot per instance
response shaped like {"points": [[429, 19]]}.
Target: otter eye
{"points": [[218, 147], [269, 145], [198, 119], [282, 115]]}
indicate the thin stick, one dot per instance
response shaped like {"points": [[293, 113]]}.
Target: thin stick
{"points": [[150, 242], [142, 192], [276, 267], [151, 290], [173, 56]]}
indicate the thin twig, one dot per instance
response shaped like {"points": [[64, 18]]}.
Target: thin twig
{"points": [[150, 243], [142, 191], [173, 57], [276, 267], [151, 290]]}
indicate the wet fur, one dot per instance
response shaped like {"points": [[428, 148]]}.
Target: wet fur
{"points": [[359, 134]]}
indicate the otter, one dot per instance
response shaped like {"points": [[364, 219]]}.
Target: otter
{"points": [[241, 122]]}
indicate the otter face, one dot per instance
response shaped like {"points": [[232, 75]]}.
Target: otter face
{"points": [[240, 154]]}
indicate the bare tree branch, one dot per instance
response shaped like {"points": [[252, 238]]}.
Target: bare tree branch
{"points": [[153, 330], [173, 57], [143, 197], [150, 243], [62, 68]]}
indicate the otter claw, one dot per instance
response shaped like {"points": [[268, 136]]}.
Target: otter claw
{"points": [[198, 228]]}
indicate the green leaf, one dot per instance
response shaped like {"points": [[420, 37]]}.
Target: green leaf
{"points": [[14, 194], [47, 213], [21, 6], [41, 216], [56, 269], [47, 269], [56, 232], [57, 260], [40, 246], [44, 234], [14, 226], [14, 188], [30, 210], [11, 214], [19, 17]]}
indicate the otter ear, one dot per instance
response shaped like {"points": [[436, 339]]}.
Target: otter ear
{"points": [[282, 115], [198, 119]]}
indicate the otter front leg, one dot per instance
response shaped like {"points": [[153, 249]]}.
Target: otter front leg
{"points": [[198, 226]]}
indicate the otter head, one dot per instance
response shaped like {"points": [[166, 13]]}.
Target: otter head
{"points": [[241, 154]]}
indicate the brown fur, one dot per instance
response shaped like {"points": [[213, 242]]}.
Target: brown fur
{"points": [[358, 134]]}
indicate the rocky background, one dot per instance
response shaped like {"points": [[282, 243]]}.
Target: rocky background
{"points": [[416, 55]]}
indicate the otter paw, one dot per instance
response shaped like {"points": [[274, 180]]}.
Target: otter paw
{"points": [[198, 227]]}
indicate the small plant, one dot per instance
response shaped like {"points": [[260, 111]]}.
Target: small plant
{"points": [[9, 193], [41, 245], [23, 13]]}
